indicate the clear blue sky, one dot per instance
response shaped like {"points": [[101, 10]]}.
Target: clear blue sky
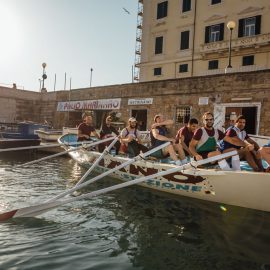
{"points": [[71, 36]]}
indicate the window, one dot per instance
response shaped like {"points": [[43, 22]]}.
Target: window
{"points": [[162, 9], [214, 33], [186, 5], [183, 114], [249, 26], [183, 68], [159, 45], [248, 60], [213, 64], [213, 2], [184, 40], [157, 71]]}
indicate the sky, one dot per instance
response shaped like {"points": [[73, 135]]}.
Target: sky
{"points": [[70, 36]]}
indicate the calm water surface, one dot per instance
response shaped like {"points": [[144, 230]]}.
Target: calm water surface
{"points": [[132, 228]]}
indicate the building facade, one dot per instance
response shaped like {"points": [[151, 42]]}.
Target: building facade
{"points": [[186, 38], [178, 99]]}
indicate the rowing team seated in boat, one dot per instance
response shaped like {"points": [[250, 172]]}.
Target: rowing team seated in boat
{"points": [[190, 141]]}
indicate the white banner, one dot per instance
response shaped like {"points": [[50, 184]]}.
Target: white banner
{"points": [[99, 104], [140, 101]]}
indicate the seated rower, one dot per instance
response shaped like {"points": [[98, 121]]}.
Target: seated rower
{"points": [[131, 139], [246, 147], [86, 129], [159, 136], [107, 130], [185, 134], [204, 142]]}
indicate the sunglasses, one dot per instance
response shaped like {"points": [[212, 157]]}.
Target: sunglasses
{"points": [[209, 119]]}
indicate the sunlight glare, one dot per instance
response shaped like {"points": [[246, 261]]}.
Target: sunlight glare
{"points": [[9, 33]]}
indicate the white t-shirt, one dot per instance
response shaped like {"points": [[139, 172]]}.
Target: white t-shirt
{"points": [[126, 132]]}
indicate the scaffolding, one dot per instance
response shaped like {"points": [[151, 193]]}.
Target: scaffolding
{"points": [[138, 45]]}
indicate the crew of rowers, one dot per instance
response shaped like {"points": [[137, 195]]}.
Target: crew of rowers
{"points": [[190, 141]]}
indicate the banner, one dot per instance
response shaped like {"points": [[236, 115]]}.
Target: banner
{"points": [[99, 104]]}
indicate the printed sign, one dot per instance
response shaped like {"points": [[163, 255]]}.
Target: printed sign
{"points": [[99, 104], [140, 101], [203, 100]]}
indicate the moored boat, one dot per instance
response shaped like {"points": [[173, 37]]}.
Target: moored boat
{"points": [[240, 188], [23, 130], [15, 143], [50, 135]]}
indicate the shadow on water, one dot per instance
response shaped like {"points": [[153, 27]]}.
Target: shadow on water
{"points": [[162, 232]]}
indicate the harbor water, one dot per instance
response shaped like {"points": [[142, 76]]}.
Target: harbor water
{"points": [[131, 228]]}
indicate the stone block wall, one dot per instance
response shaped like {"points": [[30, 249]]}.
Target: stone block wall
{"points": [[251, 87]]}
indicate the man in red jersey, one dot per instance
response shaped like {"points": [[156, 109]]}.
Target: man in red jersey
{"points": [[86, 129], [185, 134]]}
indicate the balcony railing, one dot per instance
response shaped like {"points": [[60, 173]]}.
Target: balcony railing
{"points": [[252, 41], [232, 70]]}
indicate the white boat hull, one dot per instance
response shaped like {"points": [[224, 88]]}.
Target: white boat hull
{"points": [[49, 136], [243, 188]]}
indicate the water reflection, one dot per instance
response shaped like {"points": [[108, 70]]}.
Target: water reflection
{"points": [[133, 228]]}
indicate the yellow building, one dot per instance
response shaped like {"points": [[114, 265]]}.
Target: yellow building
{"points": [[185, 38]]}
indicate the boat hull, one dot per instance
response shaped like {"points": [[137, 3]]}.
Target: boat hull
{"points": [[14, 143], [49, 136], [242, 188]]}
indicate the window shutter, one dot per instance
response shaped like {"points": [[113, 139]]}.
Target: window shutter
{"points": [[207, 33], [159, 45], [258, 25], [221, 36], [184, 40], [241, 28]]}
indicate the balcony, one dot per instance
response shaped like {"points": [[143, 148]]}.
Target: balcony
{"points": [[232, 70], [237, 44]]}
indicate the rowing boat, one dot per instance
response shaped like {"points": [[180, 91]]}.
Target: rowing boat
{"points": [[239, 188]]}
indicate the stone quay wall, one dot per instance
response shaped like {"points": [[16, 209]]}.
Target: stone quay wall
{"points": [[248, 89]]}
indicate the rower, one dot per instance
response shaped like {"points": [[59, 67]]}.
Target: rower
{"points": [[131, 139], [246, 147], [204, 142], [86, 129], [159, 135], [185, 134], [107, 130]]}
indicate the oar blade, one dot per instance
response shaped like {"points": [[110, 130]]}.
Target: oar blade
{"points": [[29, 211], [7, 215]]}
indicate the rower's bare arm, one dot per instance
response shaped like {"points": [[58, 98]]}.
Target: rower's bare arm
{"points": [[192, 147], [96, 134], [182, 142], [164, 123], [234, 140], [161, 137], [256, 146]]}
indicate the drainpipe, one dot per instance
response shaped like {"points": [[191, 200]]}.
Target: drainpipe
{"points": [[194, 34]]}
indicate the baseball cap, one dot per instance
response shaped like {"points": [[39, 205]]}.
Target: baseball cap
{"points": [[132, 119]]}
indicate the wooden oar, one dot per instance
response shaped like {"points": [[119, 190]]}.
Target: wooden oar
{"points": [[106, 150], [35, 210], [117, 168], [41, 146], [65, 152]]}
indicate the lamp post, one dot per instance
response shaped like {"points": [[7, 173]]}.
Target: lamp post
{"points": [[39, 84], [91, 71], [230, 26], [44, 76]]}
